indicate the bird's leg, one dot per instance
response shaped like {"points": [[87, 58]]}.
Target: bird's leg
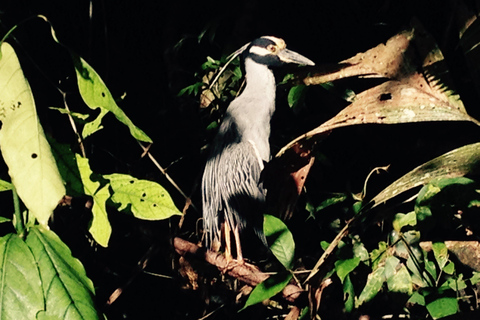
{"points": [[228, 247], [236, 235]]}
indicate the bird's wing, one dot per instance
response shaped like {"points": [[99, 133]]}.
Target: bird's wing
{"points": [[245, 196]]}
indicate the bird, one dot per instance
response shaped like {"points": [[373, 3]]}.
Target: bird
{"points": [[233, 196]]}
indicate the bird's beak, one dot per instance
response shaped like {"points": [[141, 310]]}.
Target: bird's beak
{"points": [[289, 56]]}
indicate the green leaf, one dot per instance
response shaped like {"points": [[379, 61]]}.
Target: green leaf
{"points": [[401, 220], [78, 116], [442, 307], [336, 198], [417, 298], [296, 95], [100, 228], [21, 295], [23, 144], [398, 277], [440, 252], [68, 292], [5, 186], [449, 268], [344, 267], [373, 286], [475, 278], [146, 199], [348, 294], [379, 255], [95, 94], [77, 175], [280, 239], [268, 288], [456, 163]]}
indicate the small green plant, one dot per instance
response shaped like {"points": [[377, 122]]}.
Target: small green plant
{"points": [[40, 277]]}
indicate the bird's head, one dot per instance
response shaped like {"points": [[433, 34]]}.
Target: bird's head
{"points": [[273, 52]]}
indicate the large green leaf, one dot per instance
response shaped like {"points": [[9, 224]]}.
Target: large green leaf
{"points": [[443, 307], [77, 174], [100, 227], [95, 94], [23, 144], [373, 286], [21, 295], [68, 292], [456, 163], [268, 288], [146, 199], [280, 240]]}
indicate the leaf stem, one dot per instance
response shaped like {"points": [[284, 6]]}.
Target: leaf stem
{"points": [[18, 218]]}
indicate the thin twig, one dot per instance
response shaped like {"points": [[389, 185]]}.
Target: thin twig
{"points": [[164, 172]]}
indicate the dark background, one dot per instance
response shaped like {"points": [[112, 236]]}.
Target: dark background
{"points": [[150, 51]]}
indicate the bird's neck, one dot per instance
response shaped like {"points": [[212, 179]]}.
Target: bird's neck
{"points": [[260, 79]]}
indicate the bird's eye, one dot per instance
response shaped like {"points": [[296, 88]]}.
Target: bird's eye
{"points": [[272, 48]]}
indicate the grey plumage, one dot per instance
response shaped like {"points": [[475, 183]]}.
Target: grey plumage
{"points": [[231, 189]]}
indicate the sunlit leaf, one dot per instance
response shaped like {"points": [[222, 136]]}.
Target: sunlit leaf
{"points": [[373, 286], [21, 295], [440, 252], [456, 163], [379, 255], [5, 186], [146, 199], [280, 240], [344, 267], [417, 298], [23, 144], [100, 227], [401, 220], [408, 96], [268, 288], [67, 290], [442, 307], [95, 94], [397, 276]]}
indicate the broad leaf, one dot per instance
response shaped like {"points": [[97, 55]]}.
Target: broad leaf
{"points": [[100, 227], [442, 307], [344, 267], [408, 96], [397, 276], [23, 144], [68, 293], [95, 94], [401, 220], [373, 286], [77, 175], [280, 240], [146, 199], [21, 295], [456, 163], [268, 288]]}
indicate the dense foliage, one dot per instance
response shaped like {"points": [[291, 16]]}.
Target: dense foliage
{"points": [[373, 192]]}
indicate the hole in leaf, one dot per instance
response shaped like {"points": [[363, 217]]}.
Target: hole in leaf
{"points": [[103, 94], [34, 155], [154, 204], [385, 96], [141, 200], [132, 181], [144, 194]]}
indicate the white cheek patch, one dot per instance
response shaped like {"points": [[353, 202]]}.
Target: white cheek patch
{"points": [[259, 51]]}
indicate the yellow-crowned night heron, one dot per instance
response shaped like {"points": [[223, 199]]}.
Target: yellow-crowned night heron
{"points": [[232, 194]]}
